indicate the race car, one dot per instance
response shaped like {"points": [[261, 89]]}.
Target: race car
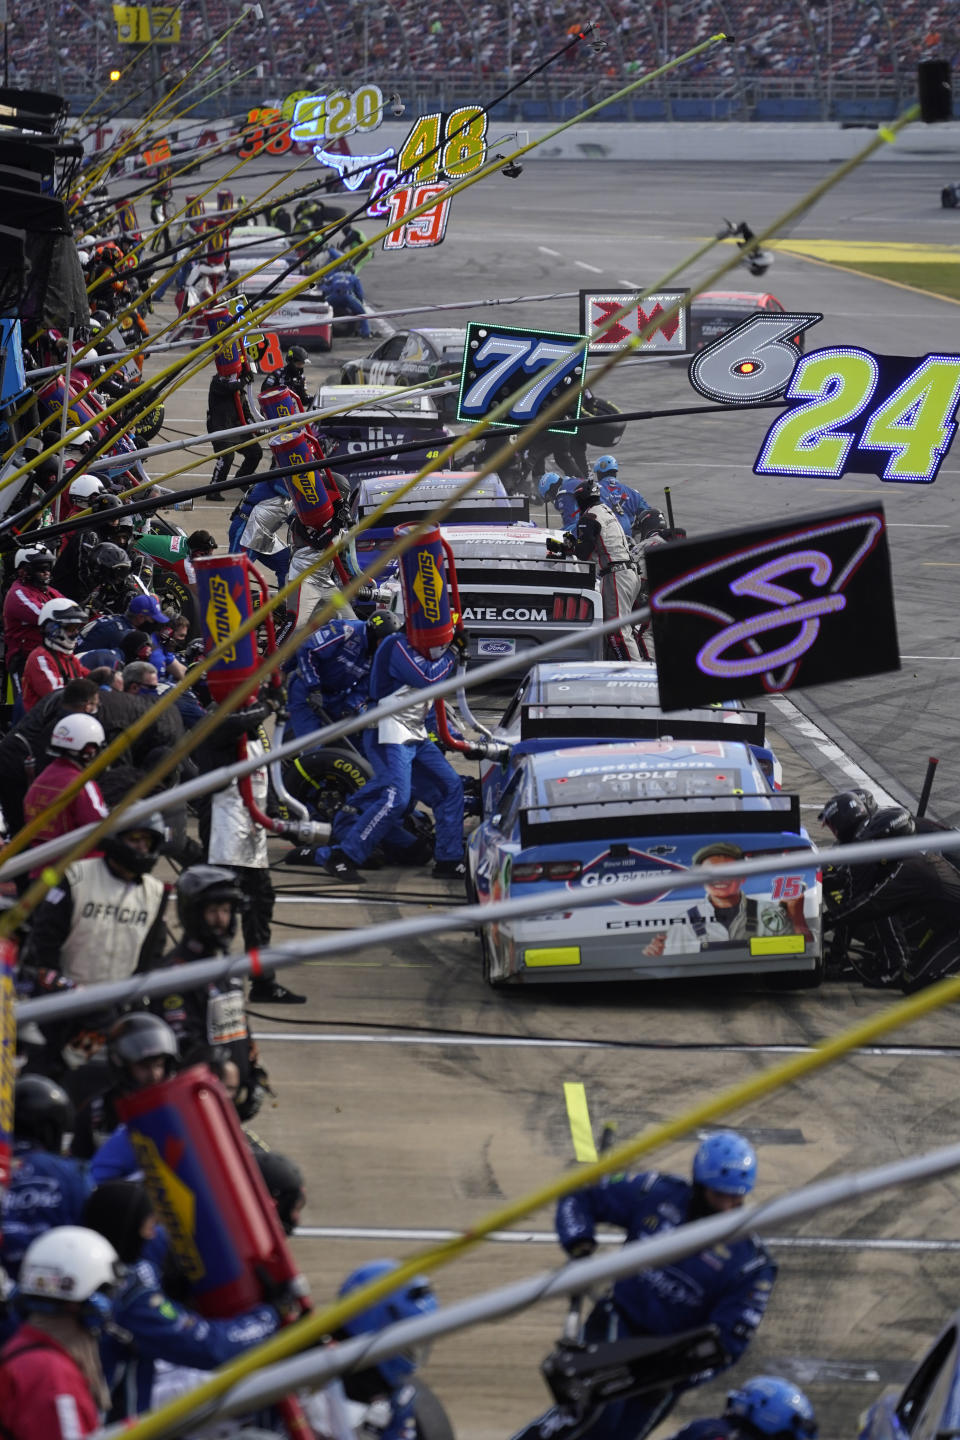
{"points": [[382, 417], [563, 704], [514, 595], [598, 815], [409, 357], [715, 312]]}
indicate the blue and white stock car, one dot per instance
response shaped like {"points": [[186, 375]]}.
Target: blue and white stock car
{"points": [[598, 815]]}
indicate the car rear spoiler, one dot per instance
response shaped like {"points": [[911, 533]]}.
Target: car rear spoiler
{"points": [[466, 512], [641, 722], [666, 815], [531, 573]]}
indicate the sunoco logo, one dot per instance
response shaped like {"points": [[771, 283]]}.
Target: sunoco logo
{"points": [[428, 587], [307, 485], [222, 616]]}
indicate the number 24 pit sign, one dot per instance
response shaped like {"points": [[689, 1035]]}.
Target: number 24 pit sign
{"points": [[668, 337]]}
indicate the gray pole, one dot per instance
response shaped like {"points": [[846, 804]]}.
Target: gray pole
{"points": [[316, 1367]]}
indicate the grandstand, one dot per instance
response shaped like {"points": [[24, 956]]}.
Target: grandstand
{"points": [[805, 59]]}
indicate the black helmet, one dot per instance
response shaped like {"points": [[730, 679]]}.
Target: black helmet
{"points": [[587, 493], [201, 542], [379, 625], [42, 1112], [136, 1037], [203, 885], [890, 823], [296, 355], [284, 1181], [115, 846], [651, 522], [111, 561], [846, 812], [106, 501]]}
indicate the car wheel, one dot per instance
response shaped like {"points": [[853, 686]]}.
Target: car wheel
{"points": [[948, 198], [433, 1422], [326, 780], [799, 979]]}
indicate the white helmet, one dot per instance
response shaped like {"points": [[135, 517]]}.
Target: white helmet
{"points": [[30, 555], [84, 487], [70, 1265], [78, 735], [53, 616]]}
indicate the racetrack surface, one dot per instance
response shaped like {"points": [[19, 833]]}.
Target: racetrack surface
{"points": [[397, 1093]]}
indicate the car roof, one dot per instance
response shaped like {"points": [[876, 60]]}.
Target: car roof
{"points": [[635, 678], [434, 486], [752, 299]]}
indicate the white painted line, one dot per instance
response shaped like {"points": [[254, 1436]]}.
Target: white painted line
{"points": [[830, 750], [529, 1042], [595, 269], [548, 1237], [913, 525], [545, 250], [930, 657]]}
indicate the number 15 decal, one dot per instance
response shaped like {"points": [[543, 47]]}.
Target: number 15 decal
{"points": [[849, 409]]}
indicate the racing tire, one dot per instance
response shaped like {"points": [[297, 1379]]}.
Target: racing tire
{"points": [[149, 425], [432, 1420], [948, 198], [174, 594], [799, 979], [486, 956], [326, 780]]}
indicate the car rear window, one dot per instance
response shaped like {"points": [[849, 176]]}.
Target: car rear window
{"points": [[595, 786]]}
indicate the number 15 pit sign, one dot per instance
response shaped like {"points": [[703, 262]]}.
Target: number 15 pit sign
{"points": [[668, 337]]}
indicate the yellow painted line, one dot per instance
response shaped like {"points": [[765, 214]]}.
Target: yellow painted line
{"points": [[776, 944], [555, 955], [581, 1131], [851, 251], [880, 279]]}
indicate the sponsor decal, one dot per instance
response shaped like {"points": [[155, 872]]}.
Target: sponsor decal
{"points": [[496, 647], [621, 863], [504, 613], [223, 616], [428, 588]]}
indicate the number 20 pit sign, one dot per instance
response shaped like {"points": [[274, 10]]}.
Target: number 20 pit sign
{"points": [[669, 335]]}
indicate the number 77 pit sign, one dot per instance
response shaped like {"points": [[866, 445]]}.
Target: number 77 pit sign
{"points": [[669, 336], [499, 360]]}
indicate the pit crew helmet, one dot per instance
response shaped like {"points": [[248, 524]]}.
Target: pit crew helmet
{"points": [[890, 823], [110, 562], [549, 485], [769, 1406], [296, 355], [203, 885], [137, 1037], [55, 615], [117, 848], [284, 1181], [85, 487], [587, 493], [606, 465], [651, 522], [34, 557], [70, 1266], [381, 624], [42, 1112], [415, 1297], [727, 1163], [844, 813], [79, 736]]}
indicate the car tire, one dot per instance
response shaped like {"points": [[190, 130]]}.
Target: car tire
{"points": [[432, 1420], [325, 780], [799, 979]]}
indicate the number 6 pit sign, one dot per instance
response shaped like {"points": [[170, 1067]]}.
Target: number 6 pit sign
{"points": [[498, 360]]}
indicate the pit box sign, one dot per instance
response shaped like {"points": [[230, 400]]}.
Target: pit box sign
{"points": [[773, 607], [669, 337], [498, 360]]}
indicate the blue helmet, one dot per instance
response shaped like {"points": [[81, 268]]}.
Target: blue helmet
{"points": [[767, 1405], [606, 465], [727, 1163], [549, 484], [415, 1297]]}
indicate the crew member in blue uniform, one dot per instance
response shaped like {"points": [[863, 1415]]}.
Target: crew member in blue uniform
{"points": [[46, 1187], [628, 505], [763, 1408], [727, 1285], [333, 671]]}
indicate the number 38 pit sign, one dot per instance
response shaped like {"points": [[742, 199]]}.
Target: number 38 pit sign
{"points": [[669, 336]]}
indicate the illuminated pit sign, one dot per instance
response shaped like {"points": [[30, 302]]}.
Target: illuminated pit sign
{"points": [[670, 337], [498, 359], [424, 230], [773, 607]]}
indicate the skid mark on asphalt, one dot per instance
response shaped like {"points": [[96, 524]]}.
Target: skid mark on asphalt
{"points": [[528, 1042]]}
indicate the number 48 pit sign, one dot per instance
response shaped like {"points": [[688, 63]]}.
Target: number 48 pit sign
{"points": [[669, 336]]}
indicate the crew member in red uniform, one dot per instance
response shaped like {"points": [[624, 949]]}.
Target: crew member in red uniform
{"points": [[76, 739], [53, 662], [229, 405], [25, 599], [51, 1381]]}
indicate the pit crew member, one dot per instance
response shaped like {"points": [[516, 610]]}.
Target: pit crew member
{"points": [[763, 1408], [332, 672], [599, 537], [47, 1188]]}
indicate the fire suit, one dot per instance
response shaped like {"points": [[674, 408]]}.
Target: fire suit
{"points": [[160, 1329], [625, 503], [43, 1393], [332, 671], [21, 633], [728, 1286], [406, 764], [907, 914], [228, 406], [45, 1190], [46, 671], [87, 806], [599, 537]]}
